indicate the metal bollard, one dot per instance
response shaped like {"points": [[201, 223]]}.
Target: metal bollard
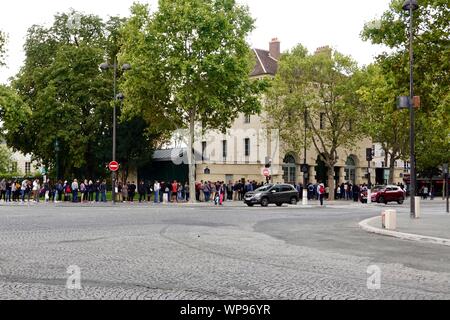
{"points": [[305, 197], [369, 196]]}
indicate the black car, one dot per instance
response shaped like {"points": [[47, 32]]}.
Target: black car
{"points": [[277, 194]]}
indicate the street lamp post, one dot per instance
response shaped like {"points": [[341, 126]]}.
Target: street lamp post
{"points": [[57, 159], [305, 162], [411, 6], [104, 67]]}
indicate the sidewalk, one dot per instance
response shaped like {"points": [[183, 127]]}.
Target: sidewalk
{"points": [[430, 227]]}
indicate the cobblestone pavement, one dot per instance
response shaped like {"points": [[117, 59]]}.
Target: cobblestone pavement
{"points": [[200, 253]]}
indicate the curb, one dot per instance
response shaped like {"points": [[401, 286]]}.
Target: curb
{"points": [[400, 235]]}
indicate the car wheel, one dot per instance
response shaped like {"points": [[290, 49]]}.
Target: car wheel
{"points": [[264, 202], [279, 204], [294, 201], [250, 204], [400, 201], [382, 200]]}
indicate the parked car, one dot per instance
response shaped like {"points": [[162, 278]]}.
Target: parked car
{"points": [[388, 194], [363, 194], [272, 194]]}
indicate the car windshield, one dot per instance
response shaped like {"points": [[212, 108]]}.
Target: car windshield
{"points": [[264, 189], [377, 188]]}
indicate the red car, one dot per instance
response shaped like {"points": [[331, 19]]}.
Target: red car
{"points": [[388, 194]]}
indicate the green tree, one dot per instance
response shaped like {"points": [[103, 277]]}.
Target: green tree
{"points": [[193, 65], [67, 94], [5, 160], [14, 114], [66, 97], [287, 103], [382, 122], [324, 86], [431, 68]]}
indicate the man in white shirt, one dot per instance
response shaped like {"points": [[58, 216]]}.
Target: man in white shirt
{"points": [[23, 189], [156, 189], [321, 192], [75, 190], [36, 190]]}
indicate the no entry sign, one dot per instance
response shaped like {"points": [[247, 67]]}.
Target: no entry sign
{"points": [[114, 166], [266, 172]]}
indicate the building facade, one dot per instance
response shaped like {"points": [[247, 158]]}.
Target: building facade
{"points": [[382, 171]]}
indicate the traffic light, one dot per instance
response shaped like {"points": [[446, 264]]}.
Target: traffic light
{"points": [[369, 154]]}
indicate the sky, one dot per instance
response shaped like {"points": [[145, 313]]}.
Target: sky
{"points": [[313, 23]]}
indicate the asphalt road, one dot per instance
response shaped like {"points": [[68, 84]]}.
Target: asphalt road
{"points": [[138, 252]]}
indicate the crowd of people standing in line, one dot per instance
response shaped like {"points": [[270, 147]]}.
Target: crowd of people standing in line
{"points": [[48, 191], [158, 192]]}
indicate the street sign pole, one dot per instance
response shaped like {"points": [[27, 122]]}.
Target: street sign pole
{"points": [[113, 167]]}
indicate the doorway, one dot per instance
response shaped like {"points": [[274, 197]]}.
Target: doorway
{"points": [[350, 170]]}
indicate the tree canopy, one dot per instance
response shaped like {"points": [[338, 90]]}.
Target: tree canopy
{"points": [[323, 86], [5, 160], [67, 99], [381, 120], [431, 45], [192, 65]]}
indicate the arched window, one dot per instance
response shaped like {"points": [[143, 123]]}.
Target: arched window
{"points": [[350, 162], [350, 169], [289, 169], [289, 159]]}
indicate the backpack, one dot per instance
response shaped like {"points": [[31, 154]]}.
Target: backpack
{"points": [[68, 190], [322, 190]]}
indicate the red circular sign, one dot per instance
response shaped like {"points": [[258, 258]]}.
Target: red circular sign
{"points": [[114, 166], [266, 172]]}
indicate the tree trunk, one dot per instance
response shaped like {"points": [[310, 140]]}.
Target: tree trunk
{"points": [[391, 170], [191, 158], [331, 185]]}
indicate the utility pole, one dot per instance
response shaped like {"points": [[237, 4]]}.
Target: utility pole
{"points": [[411, 6]]}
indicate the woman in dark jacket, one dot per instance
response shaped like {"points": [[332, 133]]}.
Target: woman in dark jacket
{"points": [[141, 191]]}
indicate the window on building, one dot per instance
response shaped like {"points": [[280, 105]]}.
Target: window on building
{"points": [[28, 168], [322, 121], [382, 153], [224, 149], [406, 167], [14, 167], [247, 118], [247, 147], [382, 164], [204, 150]]}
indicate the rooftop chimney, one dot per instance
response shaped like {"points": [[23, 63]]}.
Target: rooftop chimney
{"points": [[325, 49], [275, 49]]}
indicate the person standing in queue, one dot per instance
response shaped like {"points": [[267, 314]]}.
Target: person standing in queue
{"points": [[321, 193]]}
